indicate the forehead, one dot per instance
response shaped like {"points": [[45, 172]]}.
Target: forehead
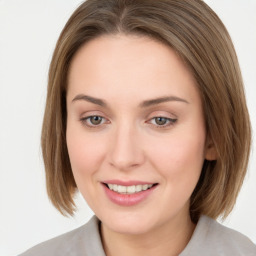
{"points": [[133, 65]]}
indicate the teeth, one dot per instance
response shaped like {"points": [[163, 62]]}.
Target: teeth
{"points": [[145, 187], [121, 189], [129, 189]]}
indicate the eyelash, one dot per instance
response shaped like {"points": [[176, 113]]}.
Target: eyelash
{"points": [[85, 121], [170, 121]]}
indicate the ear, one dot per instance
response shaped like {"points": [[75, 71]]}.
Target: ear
{"points": [[210, 151]]}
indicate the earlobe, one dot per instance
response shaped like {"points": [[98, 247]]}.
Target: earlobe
{"points": [[210, 151]]}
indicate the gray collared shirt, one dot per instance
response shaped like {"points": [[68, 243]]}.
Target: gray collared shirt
{"points": [[209, 238]]}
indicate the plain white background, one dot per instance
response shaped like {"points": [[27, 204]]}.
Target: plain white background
{"points": [[28, 32]]}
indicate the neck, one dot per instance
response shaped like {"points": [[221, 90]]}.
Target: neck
{"points": [[167, 240]]}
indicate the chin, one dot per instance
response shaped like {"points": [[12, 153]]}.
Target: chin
{"points": [[132, 224]]}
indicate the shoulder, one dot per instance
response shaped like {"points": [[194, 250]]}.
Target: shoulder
{"points": [[212, 238], [228, 240], [81, 241]]}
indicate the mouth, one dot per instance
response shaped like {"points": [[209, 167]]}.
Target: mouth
{"points": [[129, 190], [128, 193]]}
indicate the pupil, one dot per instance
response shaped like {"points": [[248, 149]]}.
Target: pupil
{"points": [[160, 120], [96, 120]]}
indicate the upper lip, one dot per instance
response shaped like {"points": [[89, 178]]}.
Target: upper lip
{"points": [[128, 183]]}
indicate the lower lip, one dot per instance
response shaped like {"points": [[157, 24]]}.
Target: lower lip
{"points": [[127, 199]]}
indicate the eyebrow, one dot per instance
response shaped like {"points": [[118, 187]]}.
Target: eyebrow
{"points": [[143, 104], [93, 100], [156, 101]]}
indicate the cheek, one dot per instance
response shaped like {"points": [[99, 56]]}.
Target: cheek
{"points": [[179, 162], [85, 152], [180, 155]]}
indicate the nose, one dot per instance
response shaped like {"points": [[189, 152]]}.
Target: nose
{"points": [[126, 151]]}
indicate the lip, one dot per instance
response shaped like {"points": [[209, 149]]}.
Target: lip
{"points": [[127, 183], [127, 199]]}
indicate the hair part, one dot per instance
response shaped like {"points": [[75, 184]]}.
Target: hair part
{"points": [[199, 37]]}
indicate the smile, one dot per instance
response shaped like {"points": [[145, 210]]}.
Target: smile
{"points": [[128, 193], [129, 189]]}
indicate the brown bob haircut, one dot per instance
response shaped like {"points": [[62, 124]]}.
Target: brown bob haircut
{"points": [[199, 37]]}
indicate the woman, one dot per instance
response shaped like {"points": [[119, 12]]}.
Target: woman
{"points": [[146, 117]]}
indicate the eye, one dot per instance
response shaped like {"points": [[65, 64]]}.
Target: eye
{"points": [[162, 122], [93, 121]]}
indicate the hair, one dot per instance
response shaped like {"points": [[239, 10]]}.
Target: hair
{"points": [[199, 37]]}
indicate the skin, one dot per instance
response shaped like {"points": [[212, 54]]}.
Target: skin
{"points": [[129, 144]]}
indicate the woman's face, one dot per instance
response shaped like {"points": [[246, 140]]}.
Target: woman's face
{"points": [[135, 132]]}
